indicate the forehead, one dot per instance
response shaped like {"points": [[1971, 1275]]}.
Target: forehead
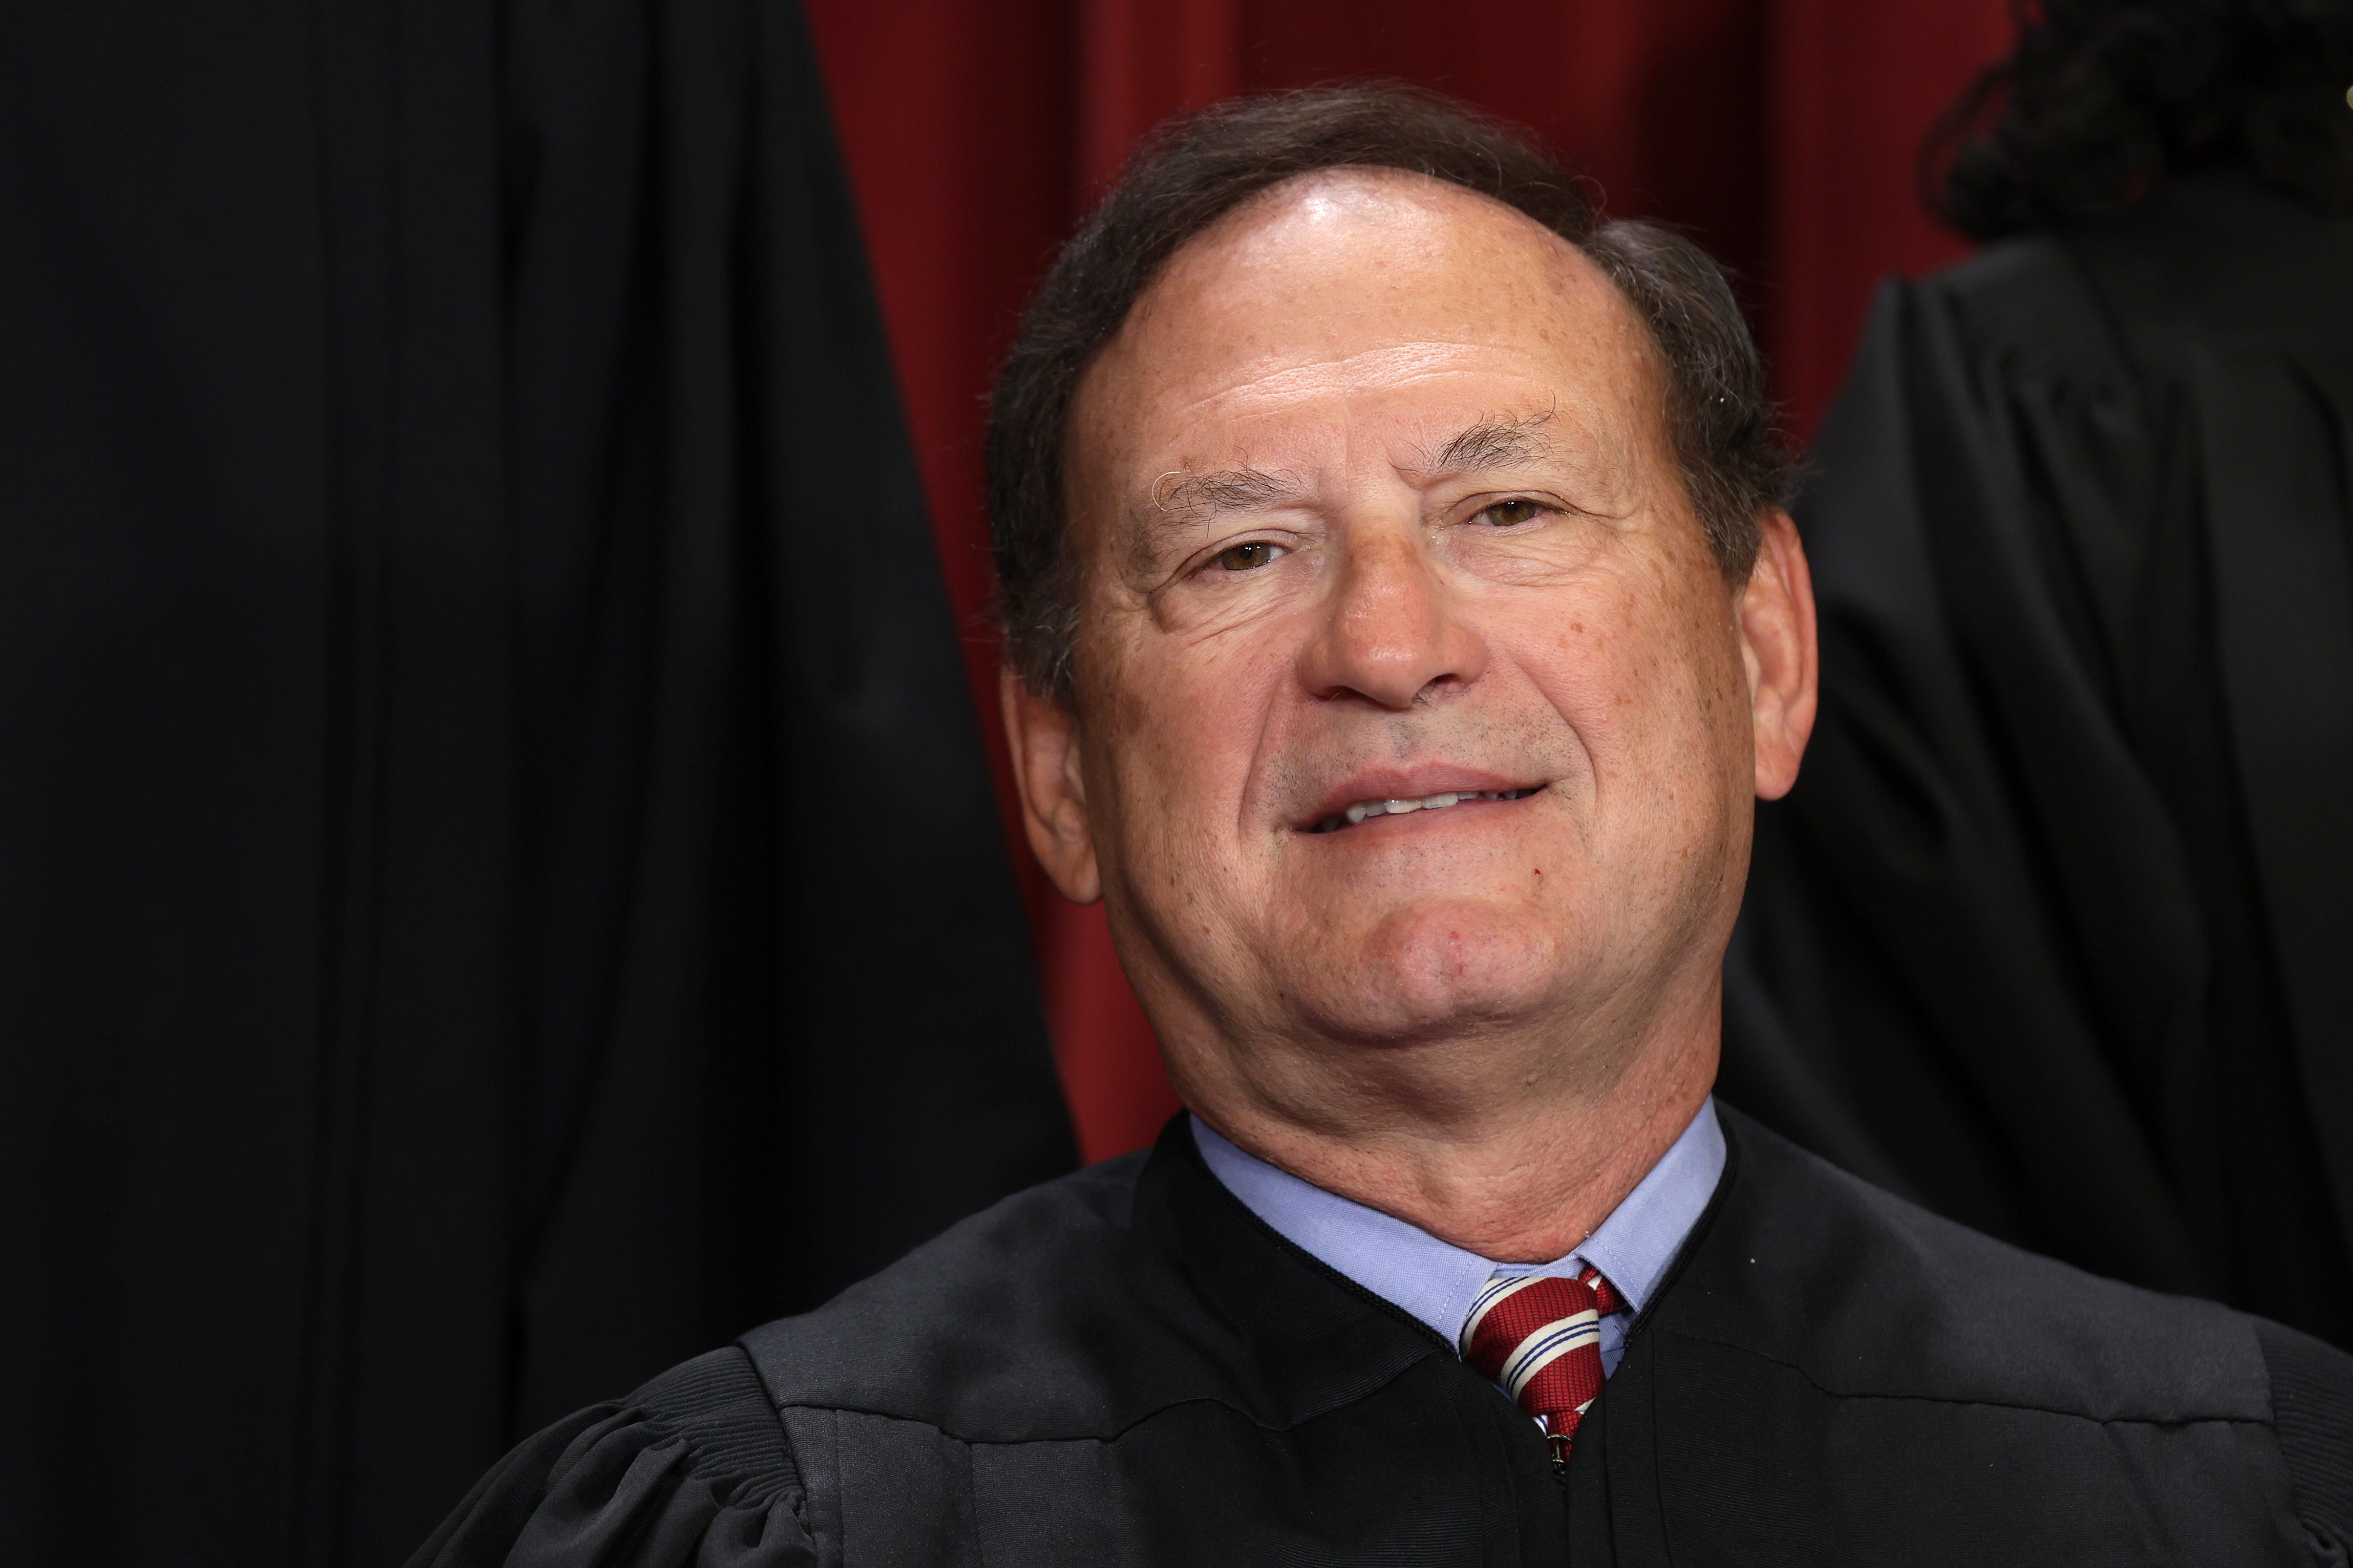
{"points": [[1361, 297]]}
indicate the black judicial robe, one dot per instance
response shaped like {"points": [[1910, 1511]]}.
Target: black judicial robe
{"points": [[1126, 1366], [482, 735], [2055, 933]]}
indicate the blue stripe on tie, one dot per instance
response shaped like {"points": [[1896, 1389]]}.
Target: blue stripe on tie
{"points": [[1491, 1296], [1557, 1337]]}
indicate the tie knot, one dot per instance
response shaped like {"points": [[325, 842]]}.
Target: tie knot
{"points": [[1511, 1307], [1540, 1338]]}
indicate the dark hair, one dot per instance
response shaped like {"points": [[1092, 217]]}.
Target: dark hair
{"points": [[1196, 169], [2101, 101]]}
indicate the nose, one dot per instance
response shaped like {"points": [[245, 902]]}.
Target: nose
{"points": [[1393, 632]]}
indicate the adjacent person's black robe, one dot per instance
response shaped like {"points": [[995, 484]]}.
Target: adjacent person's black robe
{"points": [[1126, 1367], [497, 885], [2055, 933]]}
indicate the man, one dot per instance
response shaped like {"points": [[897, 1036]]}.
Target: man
{"points": [[1401, 622]]}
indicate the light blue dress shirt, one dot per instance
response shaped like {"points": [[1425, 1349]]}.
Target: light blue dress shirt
{"points": [[1436, 1280]]}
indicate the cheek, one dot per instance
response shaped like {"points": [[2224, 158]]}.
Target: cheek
{"points": [[1632, 672], [1183, 725], [1587, 652]]}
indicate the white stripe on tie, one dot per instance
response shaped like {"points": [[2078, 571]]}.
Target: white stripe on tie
{"points": [[1547, 1346], [1491, 1296]]}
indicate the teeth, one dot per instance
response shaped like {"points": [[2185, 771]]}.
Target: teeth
{"points": [[1438, 802]]}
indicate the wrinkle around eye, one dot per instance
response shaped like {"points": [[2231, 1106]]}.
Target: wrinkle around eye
{"points": [[1197, 597], [1155, 571], [1558, 542]]}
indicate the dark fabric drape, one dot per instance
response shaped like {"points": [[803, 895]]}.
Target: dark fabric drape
{"points": [[2056, 931], [498, 884]]}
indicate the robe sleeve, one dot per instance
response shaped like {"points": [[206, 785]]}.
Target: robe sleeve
{"points": [[2312, 1413], [691, 1472]]}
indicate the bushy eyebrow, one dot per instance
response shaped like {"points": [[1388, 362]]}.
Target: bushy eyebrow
{"points": [[1494, 444], [1200, 497], [1196, 499]]}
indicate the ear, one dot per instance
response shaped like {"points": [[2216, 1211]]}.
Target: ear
{"points": [[1046, 756], [1777, 643]]}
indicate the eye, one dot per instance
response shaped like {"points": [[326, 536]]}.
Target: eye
{"points": [[1512, 514], [1248, 557]]}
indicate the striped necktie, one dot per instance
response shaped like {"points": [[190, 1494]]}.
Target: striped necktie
{"points": [[1540, 1339]]}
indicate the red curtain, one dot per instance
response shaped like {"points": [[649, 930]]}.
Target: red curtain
{"points": [[1782, 134]]}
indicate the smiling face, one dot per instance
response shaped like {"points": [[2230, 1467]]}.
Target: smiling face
{"points": [[1411, 708]]}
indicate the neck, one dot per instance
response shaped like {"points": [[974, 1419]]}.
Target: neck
{"points": [[1511, 1146]]}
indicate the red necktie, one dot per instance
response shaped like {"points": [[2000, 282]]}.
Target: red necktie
{"points": [[1540, 1338]]}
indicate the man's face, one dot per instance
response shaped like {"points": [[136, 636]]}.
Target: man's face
{"points": [[1409, 698]]}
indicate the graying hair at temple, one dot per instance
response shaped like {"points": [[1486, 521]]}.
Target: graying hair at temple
{"points": [[1728, 445]]}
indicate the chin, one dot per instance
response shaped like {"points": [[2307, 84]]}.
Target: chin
{"points": [[1437, 967]]}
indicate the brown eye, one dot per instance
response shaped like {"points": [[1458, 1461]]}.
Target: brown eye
{"points": [[1512, 514], [1245, 557]]}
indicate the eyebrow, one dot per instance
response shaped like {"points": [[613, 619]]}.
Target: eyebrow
{"points": [[1200, 497], [1491, 444], [1197, 498]]}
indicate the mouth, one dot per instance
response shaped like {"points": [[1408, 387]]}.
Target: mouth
{"points": [[1360, 812]]}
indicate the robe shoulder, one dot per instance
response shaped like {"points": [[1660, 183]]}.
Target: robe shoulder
{"points": [[1872, 1297], [1817, 1308], [694, 1468], [697, 1468]]}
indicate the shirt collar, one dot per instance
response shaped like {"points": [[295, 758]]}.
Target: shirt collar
{"points": [[1435, 1280]]}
